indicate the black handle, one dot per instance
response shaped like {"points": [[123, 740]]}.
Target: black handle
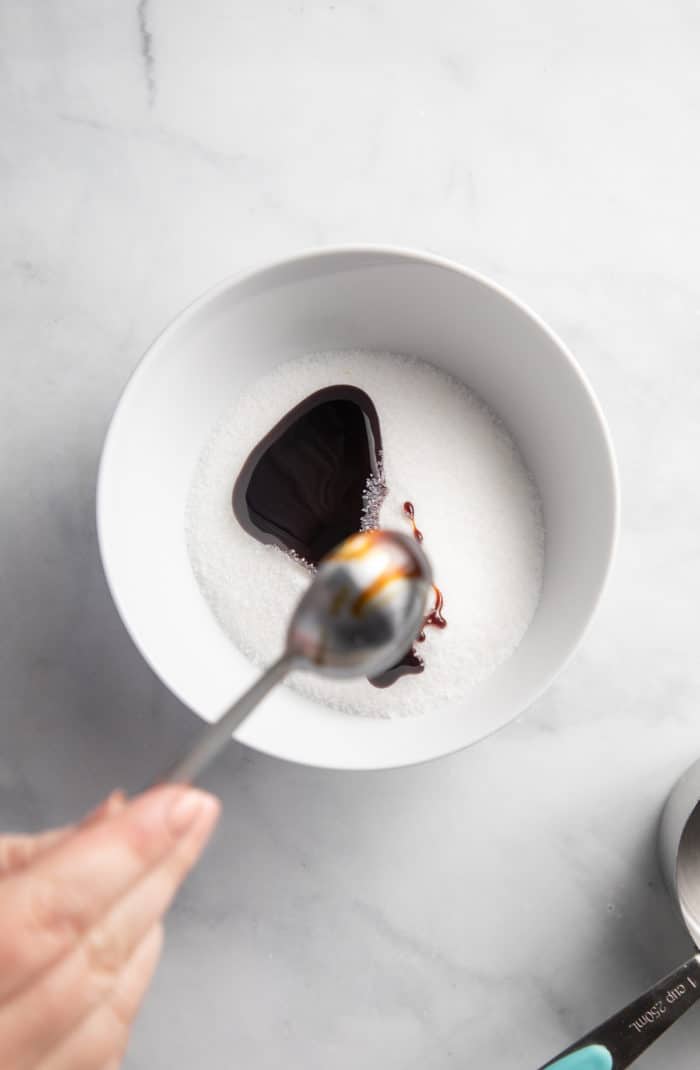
{"points": [[620, 1040]]}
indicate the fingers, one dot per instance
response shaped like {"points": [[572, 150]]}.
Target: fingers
{"points": [[17, 852], [100, 1040], [64, 994], [48, 907]]}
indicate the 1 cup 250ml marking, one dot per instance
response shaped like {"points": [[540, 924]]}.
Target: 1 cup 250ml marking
{"points": [[661, 1006]]}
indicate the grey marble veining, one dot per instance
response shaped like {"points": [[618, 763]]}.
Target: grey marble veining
{"points": [[483, 910]]}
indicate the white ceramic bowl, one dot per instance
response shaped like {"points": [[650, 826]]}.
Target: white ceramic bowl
{"points": [[355, 298]]}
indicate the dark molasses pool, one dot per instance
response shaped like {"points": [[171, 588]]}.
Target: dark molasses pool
{"points": [[316, 477]]}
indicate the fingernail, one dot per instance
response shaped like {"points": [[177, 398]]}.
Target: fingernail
{"points": [[199, 834], [208, 817], [185, 810]]}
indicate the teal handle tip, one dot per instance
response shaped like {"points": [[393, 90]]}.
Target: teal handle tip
{"points": [[594, 1057]]}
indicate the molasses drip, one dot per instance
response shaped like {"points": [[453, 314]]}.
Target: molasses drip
{"points": [[435, 618], [410, 512], [412, 663]]}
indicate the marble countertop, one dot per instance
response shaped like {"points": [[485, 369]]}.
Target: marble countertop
{"points": [[484, 910]]}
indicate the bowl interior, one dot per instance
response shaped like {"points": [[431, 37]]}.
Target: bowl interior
{"points": [[377, 300]]}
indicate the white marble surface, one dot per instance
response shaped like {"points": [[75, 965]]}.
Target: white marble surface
{"points": [[480, 911]]}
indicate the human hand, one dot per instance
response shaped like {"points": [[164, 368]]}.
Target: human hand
{"points": [[81, 928]]}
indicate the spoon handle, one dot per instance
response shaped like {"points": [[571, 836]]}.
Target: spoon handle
{"points": [[215, 736], [620, 1041]]}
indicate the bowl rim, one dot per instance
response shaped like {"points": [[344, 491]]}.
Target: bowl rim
{"points": [[234, 279]]}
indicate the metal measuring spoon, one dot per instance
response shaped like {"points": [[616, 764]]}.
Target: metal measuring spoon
{"points": [[363, 609], [620, 1041]]}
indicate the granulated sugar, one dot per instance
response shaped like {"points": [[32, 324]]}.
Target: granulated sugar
{"points": [[475, 503]]}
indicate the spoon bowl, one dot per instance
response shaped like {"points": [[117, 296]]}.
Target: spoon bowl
{"points": [[364, 607]]}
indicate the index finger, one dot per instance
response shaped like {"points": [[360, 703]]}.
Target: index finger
{"points": [[47, 907]]}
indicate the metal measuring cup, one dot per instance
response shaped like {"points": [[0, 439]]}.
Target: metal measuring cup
{"points": [[620, 1040]]}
